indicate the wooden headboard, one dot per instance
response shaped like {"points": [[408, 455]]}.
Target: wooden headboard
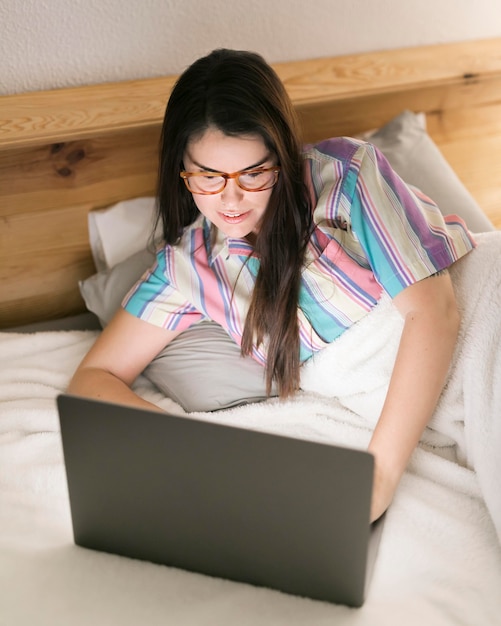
{"points": [[66, 152]]}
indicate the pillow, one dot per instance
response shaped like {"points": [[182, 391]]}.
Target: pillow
{"points": [[417, 160], [117, 232], [103, 292], [202, 369]]}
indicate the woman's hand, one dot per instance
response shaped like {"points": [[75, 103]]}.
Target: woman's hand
{"points": [[384, 485]]}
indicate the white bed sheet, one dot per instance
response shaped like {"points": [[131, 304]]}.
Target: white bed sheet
{"points": [[439, 561]]}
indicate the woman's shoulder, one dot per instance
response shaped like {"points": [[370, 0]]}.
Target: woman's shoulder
{"points": [[341, 149], [332, 167]]}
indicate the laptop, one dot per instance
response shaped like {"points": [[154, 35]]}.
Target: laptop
{"points": [[240, 504]]}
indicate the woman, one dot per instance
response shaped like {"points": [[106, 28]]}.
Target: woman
{"points": [[285, 249]]}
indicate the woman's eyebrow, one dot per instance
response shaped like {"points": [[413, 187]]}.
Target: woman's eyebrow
{"points": [[250, 167]]}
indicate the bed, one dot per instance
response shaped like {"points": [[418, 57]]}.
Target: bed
{"points": [[77, 178]]}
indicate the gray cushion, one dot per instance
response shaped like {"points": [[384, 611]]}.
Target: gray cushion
{"points": [[202, 369]]}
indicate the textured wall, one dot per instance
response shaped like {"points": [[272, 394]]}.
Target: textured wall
{"points": [[56, 43]]}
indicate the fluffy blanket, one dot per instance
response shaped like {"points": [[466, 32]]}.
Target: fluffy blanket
{"points": [[439, 560]]}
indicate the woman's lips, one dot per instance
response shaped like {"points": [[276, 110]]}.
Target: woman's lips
{"points": [[233, 218]]}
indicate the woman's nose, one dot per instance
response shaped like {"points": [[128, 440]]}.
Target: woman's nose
{"points": [[232, 194]]}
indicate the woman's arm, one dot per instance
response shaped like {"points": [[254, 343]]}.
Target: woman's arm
{"points": [[122, 351], [431, 324]]}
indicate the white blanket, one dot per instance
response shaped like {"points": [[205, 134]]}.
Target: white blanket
{"points": [[439, 561], [356, 369]]}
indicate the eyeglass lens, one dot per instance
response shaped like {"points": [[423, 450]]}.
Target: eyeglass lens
{"points": [[253, 180]]}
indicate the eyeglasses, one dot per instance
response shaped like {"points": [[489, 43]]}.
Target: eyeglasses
{"points": [[209, 183]]}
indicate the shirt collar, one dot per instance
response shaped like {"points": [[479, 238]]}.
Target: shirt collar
{"points": [[223, 245]]}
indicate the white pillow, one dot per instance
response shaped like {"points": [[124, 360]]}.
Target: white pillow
{"points": [[120, 231]]}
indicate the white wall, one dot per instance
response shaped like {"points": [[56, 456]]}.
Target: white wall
{"points": [[46, 44]]}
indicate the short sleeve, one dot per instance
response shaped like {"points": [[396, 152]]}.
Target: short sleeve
{"points": [[156, 299], [401, 231]]}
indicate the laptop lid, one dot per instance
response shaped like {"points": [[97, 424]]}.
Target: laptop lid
{"points": [[250, 506]]}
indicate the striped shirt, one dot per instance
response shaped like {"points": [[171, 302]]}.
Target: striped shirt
{"points": [[372, 233]]}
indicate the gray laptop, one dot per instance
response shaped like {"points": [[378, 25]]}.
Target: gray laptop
{"points": [[249, 506]]}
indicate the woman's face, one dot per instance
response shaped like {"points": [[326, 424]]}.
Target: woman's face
{"points": [[236, 212]]}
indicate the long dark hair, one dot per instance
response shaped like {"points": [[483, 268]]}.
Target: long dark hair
{"points": [[238, 93]]}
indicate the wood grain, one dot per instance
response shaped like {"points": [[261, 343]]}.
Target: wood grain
{"points": [[42, 256], [98, 171], [95, 110]]}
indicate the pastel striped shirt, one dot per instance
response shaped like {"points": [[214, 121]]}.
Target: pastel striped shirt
{"points": [[373, 233]]}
